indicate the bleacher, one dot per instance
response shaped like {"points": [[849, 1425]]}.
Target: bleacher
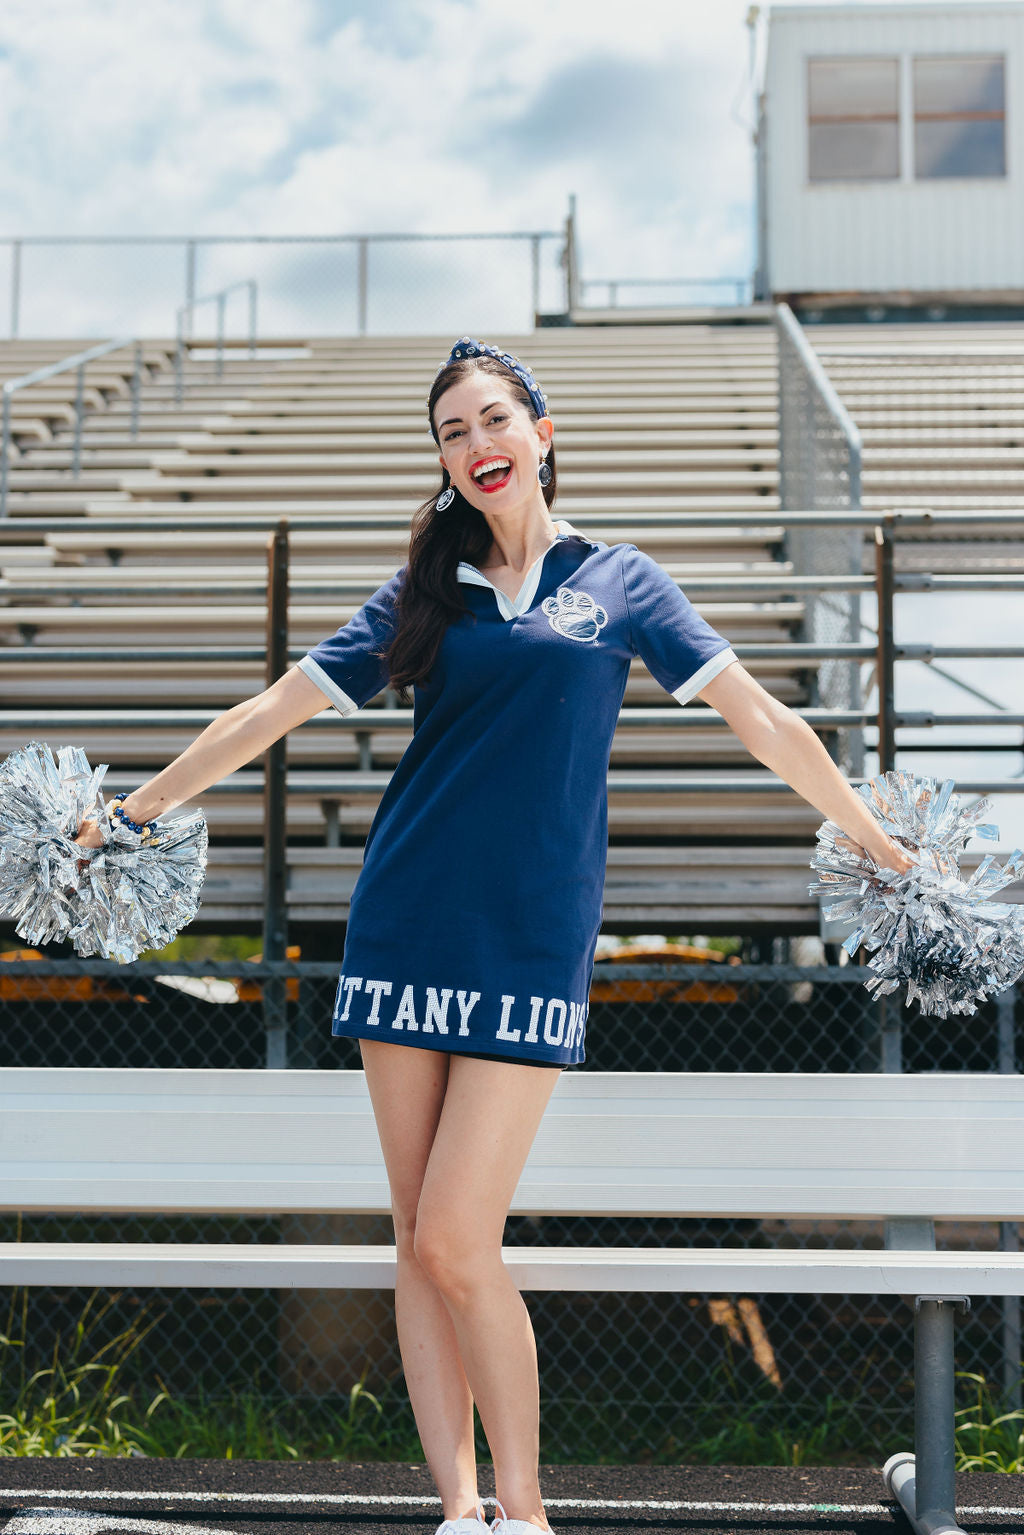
{"points": [[651, 421]]}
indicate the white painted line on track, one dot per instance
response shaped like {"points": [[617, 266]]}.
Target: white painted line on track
{"points": [[68, 1521], [395, 1500]]}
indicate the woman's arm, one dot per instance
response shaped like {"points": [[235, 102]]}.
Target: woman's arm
{"points": [[234, 738], [785, 743]]}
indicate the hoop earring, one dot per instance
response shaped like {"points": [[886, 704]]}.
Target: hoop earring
{"points": [[544, 474], [444, 500]]}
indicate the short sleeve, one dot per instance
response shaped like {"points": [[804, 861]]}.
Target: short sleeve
{"points": [[679, 647], [349, 667]]}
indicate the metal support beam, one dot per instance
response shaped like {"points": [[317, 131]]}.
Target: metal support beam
{"points": [[275, 918], [923, 1483], [886, 671]]}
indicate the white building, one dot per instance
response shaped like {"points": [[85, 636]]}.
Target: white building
{"points": [[891, 157]]}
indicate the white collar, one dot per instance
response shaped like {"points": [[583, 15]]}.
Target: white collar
{"points": [[508, 607]]}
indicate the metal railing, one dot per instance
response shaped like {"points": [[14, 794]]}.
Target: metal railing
{"points": [[184, 314], [573, 286], [838, 721], [820, 458], [80, 361], [190, 248]]}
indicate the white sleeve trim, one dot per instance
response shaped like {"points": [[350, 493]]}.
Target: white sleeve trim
{"points": [[337, 696], [703, 676]]}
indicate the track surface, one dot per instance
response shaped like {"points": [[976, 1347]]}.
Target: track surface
{"points": [[193, 1497]]}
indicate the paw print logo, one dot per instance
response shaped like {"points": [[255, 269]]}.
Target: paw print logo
{"points": [[575, 614]]}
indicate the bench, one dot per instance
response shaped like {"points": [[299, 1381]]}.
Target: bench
{"points": [[906, 1149]]}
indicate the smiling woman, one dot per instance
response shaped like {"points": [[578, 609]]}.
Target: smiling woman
{"points": [[489, 408], [474, 920]]}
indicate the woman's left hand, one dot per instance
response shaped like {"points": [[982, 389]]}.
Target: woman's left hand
{"points": [[892, 856]]}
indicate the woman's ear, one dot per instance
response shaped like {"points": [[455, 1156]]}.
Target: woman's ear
{"points": [[546, 430], [440, 459]]}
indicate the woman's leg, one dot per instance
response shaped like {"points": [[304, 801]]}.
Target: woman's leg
{"points": [[407, 1087], [488, 1121]]}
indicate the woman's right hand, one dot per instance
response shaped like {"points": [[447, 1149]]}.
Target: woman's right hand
{"points": [[88, 836], [89, 833]]}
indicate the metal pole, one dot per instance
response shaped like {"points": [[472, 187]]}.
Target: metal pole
{"points": [[890, 1017], [571, 274], [15, 287], [1009, 1236], [252, 317], [190, 280], [886, 642], [275, 932], [222, 304], [934, 1406], [76, 454], [362, 284], [179, 360], [136, 389]]}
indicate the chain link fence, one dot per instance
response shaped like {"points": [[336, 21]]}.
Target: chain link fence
{"points": [[819, 470], [641, 1362]]}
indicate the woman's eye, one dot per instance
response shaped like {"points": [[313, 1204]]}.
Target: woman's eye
{"points": [[497, 418], [451, 436]]}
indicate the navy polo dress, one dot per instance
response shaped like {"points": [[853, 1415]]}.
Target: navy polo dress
{"points": [[475, 916]]}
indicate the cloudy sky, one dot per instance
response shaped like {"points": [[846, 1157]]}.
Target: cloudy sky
{"points": [[321, 117], [333, 116]]}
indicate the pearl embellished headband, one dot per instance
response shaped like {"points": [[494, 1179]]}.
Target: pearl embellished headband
{"points": [[467, 347]]}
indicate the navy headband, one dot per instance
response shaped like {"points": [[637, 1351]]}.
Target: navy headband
{"points": [[467, 347]]}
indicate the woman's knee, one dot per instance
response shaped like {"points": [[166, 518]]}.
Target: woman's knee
{"points": [[404, 1222], [454, 1257]]}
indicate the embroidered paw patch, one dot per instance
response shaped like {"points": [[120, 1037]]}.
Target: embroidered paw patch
{"points": [[574, 614]]}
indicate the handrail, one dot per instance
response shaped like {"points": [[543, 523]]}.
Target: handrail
{"points": [[790, 326], [911, 517], [191, 245], [78, 360], [220, 298]]}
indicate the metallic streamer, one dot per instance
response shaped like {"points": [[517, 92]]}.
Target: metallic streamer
{"points": [[930, 930], [127, 898]]}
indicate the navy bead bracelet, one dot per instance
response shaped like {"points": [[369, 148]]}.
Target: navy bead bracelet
{"points": [[117, 809]]}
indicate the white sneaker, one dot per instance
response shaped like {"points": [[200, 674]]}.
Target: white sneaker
{"points": [[471, 1524], [501, 1524]]}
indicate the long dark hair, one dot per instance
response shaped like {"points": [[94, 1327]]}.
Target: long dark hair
{"points": [[429, 599]]}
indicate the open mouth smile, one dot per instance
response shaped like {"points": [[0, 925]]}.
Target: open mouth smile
{"points": [[491, 473]]}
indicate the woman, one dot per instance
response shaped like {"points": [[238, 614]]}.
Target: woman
{"points": [[474, 921]]}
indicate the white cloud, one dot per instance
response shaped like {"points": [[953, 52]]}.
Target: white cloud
{"points": [[260, 116]]}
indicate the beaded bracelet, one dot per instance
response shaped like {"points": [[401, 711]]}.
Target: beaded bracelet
{"points": [[145, 830]]}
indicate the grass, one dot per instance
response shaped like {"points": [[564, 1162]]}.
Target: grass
{"points": [[80, 1403]]}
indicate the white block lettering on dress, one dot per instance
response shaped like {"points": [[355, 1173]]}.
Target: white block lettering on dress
{"points": [[531, 1036], [378, 988], [549, 1036], [437, 1010], [406, 1015], [350, 983], [465, 1008], [504, 1032]]}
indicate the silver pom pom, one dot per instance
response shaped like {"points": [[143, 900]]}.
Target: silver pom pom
{"points": [[933, 932], [127, 898]]}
